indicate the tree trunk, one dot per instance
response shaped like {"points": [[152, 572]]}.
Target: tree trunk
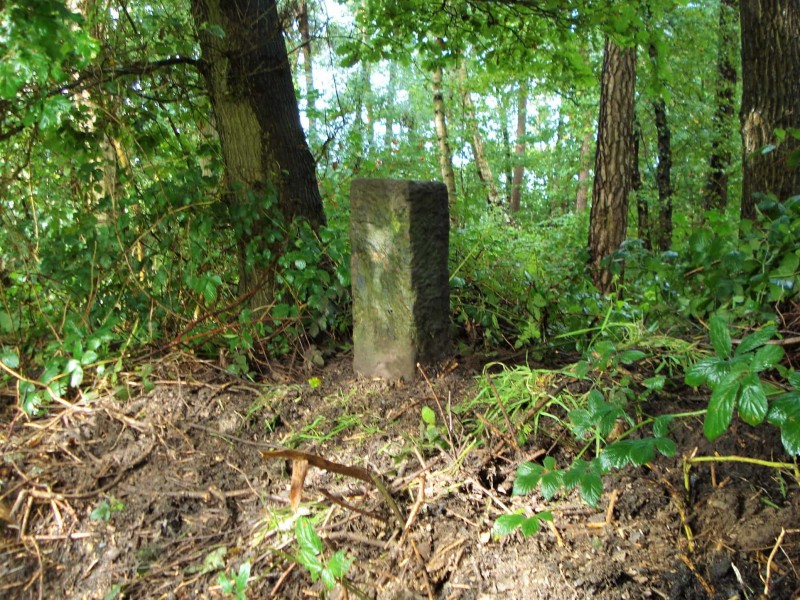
{"points": [[507, 161], [612, 172], [770, 98], [643, 223], [519, 147], [478, 151], [263, 146], [715, 192], [308, 66], [663, 176], [388, 135], [582, 193], [440, 121]]}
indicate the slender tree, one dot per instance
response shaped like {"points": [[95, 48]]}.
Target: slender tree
{"points": [[770, 32], [715, 192], [664, 167], [246, 67], [476, 140], [519, 147], [644, 225], [304, 28], [440, 122], [612, 172]]}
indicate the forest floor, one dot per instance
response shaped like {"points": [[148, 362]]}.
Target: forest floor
{"points": [[156, 496]]}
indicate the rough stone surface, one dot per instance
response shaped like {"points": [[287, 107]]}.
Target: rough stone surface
{"points": [[399, 234]]}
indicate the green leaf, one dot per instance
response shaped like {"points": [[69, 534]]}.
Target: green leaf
{"points": [[756, 339], [794, 379], [306, 536], [328, 580], [767, 357], [587, 476], [243, 575], [631, 356], [530, 526], [720, 336], [309, 559], [528, 476], [428, 416], [655, 383], [582, 422], [661, 425], [339, 564], [76, 377], [6, 324], [720, 408], [666, 446], [88, 357], [753, 403], [709, 370], [10, 359], [552, 482], [506, 524], [591, 488], [635, 452]]}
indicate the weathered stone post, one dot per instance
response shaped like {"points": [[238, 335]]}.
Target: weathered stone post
{"points": [[399, 233]]}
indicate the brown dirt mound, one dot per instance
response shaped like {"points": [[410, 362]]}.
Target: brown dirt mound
{"points": [[155, 497]]}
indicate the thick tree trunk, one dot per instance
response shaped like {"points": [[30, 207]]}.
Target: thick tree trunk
{"points": [[519, 147], [481, 161], [263, 146], [715, 192], [445, 154], [582, 193], [612, 172], [770, 98]]}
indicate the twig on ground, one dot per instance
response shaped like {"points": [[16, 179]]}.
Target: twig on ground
{"points": [[770, 559], [414, 509]]}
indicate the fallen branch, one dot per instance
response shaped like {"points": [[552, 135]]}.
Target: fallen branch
{"points": [[348, 471]]}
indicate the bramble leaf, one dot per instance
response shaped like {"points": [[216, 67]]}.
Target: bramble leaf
{"points": [[528, 476], [753, 403], [709, 370], [720, 408], [720, 336], [506, 524], [767, 357]]}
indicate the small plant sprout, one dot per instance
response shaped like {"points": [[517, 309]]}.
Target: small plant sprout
{"points": [[106, 508], [235, 585], [309, 556]]}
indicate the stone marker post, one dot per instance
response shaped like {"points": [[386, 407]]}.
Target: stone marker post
{"points": [[399, 233]]}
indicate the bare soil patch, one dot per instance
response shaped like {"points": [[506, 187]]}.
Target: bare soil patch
{"points": [[175, 474]]}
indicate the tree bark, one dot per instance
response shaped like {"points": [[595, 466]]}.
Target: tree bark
{"points": [[519, 147], [770, 32], [478, 151], [715, 192], [440, 121], [663, 176], [643, 223], [508, 173], [264, 149], [612, 172]]}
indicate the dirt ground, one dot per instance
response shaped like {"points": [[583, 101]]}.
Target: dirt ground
{"points": [[157, 495]]}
